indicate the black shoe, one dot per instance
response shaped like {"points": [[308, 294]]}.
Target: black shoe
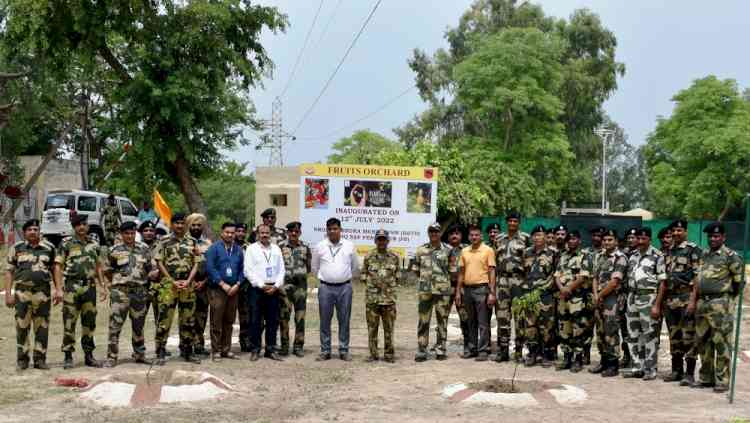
{"points": [[273, 356], [577, 364], [502, 355], [566, 363], [688, 379], [372, 359], [703, 385], [598, 368], [90, 361], [720, 389], [530, 360], [112, 362], [420, 358], [143, 360], [298, 353], [167, 353], [441, 357], [610, 371], [68, 361], [161, 357], [677, 370], [40, 364], [481, 357], [323, 357], [345, 356], [190, 358], [633, 374], [466, 355], [22, 364], [548, 359], [587, 356], [389, 359], [284, 352], [201, 351], [254, 356], [245, 348], [626, 361]]}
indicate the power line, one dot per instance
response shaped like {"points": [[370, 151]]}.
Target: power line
{"points": [[330, 20], [302, 51], [341, 63], [365, 117]]}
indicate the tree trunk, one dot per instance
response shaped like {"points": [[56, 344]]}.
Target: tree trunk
{"points": [[508, 127], [189, 189], [725, 210], [8, 215]]}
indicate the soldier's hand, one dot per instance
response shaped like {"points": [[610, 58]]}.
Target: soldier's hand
{"points": [[655, 312], [153, 275], [103, 294], [458, 298], [199, 285], [491, 299], [233, 290], [180, 284], [10, 299], [691, 308], [57, 296]]}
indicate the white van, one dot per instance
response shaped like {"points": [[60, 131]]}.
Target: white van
{"points": [[60, 205]]}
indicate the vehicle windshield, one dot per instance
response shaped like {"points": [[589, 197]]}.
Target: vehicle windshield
{"points": [[60, 201]]}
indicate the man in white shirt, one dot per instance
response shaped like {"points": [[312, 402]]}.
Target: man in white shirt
{"points": [[335, 262], [264, 269]]}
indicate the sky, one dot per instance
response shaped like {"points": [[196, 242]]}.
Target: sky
{"points": [[665, 45]]}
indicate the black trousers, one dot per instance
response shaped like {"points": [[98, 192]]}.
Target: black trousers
{"points": [[264, 309]]}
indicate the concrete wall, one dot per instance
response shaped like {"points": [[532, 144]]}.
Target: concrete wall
{"points": [[277, 181], [59, 174]]}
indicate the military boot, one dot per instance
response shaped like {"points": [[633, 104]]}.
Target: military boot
{"points": [[502, 354], [626, 361], [68, 361], [518, 354], [566, 363], [587, 356], [161, 357], [531, 357], [548, 358], [90, 361], [689, 378], [612, 368], [677, 371], [599, 367], [577, 365], [188, 356]]}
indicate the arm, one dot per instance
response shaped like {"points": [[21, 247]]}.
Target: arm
{"points": [[315, 261], [212, 267], [364, 274], [309, 260], [355, 263], [492, 298], [693, 298], [10, 300], [279, 281], [612, 286], [460, 285], [250, 266]]}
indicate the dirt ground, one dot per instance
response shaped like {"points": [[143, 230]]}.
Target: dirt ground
{"points": [[304, 390]]}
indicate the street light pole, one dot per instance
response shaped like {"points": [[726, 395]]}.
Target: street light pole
{"points": [[604, 135]]}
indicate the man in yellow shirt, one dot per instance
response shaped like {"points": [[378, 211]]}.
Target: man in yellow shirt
{"points": [[476, 284]]}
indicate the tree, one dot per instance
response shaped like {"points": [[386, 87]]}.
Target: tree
{"points": [[626, 176], [360, 148], [180, 72], [697, 159]]}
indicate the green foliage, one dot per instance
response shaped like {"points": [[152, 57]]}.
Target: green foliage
{"points": [[697, 159], [626, 176], [360, 148], [526, 305]]}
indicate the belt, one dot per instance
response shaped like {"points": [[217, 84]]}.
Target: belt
{"points": [[335, 284], [711, 296], [78, 281], [130, 286], [476, 285], [512, 275], [644, 291], [680, 290]]}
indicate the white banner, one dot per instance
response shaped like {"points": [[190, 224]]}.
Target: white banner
{"points": [[401, 200]]}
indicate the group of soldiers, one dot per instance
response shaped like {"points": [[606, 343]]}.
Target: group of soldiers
{"points": [[555, 293], [167, 275]]}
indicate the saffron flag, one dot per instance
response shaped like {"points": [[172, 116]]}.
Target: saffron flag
{"points": [[162, 208]]}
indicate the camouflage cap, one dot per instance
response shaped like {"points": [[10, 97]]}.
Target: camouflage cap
{"points": [[29, 223], [127, 226], [492, 226], [382, 233], [715, 228], [434, 226], [268, 212], [561, 227], [239, 225], [178, 217], [632, 231], [294, 226], [679, 223], [146, 225], [513, 215], [645, 231], [597, 230], [538, 228], [610, 232]]}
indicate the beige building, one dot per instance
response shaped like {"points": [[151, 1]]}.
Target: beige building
{"points": [[278, 187]]}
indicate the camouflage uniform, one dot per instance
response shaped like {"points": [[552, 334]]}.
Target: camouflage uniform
{"points": [[79, 260], [537, 329], [606, 267], [622, 312], [380, 274], [177, 256], [453, 268], [201, 297], [510, 278], [575, 312], [128, 294], [719, 283], [112, 221], [297, 261], [31, 268], [153, 291], [591, 253], [277, 235], [431, 266], [682, 267], [646, 272]]}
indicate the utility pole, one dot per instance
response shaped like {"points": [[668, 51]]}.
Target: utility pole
{"points": [[274, 139], [604, 134]]}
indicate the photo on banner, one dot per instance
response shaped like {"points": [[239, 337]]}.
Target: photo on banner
{"points": [[419, 197], [368, 193], [316, 193]]}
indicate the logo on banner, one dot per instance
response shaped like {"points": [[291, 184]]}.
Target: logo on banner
{"points": [[309, 171], [429, 173]]}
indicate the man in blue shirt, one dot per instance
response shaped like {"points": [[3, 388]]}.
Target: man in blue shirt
{"points": [[146, 213], [224, 265]]}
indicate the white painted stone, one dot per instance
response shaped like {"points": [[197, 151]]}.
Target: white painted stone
{"points": [[569, 395], [110, 394], [502, 399], [451, 390], [182, 393]]}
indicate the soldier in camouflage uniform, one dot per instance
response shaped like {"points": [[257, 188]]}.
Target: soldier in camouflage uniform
{"points": [[647, 269], [380, 275], [431, 267], [719, 283], [243, 313], [610, 268], [148, 237], [509, 250], [128, 265], [596, 246], [631, 246], [30, 264], [573, 279], [196, 223], [111, 220], [493, 232], [178, 265], [455, 244], [78, 265], [682, 270], [269, 218], [537, 328], [297, 260], [665, 238]]}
